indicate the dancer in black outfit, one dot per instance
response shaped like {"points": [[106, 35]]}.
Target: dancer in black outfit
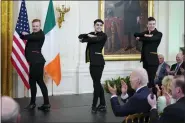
{"points": [[36, 61], [95, 43], [150, 42]]}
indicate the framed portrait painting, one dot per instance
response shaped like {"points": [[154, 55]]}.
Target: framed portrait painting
{"points": [[121, 20]]}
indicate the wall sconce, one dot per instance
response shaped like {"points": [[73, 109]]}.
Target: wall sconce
{"points": [[62, 10]]}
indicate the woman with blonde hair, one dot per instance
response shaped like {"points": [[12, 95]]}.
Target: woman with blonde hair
{"points": [[165, 94]]}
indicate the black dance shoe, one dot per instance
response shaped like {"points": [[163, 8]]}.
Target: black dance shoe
{"points": [[93, 109], [101, 108], [44, 107], [30, 107]]}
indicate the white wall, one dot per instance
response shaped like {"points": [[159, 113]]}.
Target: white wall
{"points": [[75, 73], [170, 18]]}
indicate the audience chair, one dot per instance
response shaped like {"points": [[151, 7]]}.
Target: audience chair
{"points": [[137, 118]]}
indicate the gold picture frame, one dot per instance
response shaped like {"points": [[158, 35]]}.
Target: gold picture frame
{"points": [[126, 57]]}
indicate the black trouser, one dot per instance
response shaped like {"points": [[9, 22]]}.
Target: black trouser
{"points": [[151, 70], [96, 73], [36, 75]]}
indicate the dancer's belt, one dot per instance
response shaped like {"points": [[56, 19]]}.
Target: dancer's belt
{"points": [[35, 51], [98, 53], [153, 53]]}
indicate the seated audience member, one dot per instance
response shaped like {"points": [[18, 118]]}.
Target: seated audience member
{"points": [[9, 110], [161, 71], [182, 69], [177, 68], [165, 96], [138, 102], [174, 113]]}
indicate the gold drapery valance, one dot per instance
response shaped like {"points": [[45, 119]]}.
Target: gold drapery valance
{"points": [[6, 47]]}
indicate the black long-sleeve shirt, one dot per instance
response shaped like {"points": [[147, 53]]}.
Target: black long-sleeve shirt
{"points": [[94, 47], [33, 47]]}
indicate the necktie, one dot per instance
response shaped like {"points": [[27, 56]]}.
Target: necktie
{"points": [[177, 68], [158, 69]]}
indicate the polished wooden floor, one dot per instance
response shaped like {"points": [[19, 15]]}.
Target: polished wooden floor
{"points": [[67, 108]]}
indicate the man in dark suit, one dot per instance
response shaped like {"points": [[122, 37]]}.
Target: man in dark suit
{"points": [[138, 102], [174, 113], [150, 42], [183, 66], [131, 19], [161, 70], [95, 43], [178, 68], [36, 61]]}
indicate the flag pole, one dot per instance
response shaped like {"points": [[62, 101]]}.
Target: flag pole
{"points": [[52, 88], [24, 92]]}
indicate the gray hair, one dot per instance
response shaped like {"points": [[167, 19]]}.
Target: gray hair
{"points": [[10, 110], [142, 75], [161, 55]]}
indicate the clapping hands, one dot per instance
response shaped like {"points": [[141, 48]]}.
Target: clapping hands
{"points": [[182, 70], [124, 87], [168, 69], [112, 90], [158, 90], [168, 99], [151, 101]]}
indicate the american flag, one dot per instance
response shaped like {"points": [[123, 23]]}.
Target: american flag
{"points": [[17, 57]]}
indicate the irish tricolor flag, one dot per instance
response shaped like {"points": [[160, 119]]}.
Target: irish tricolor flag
{"points": [[50, 48]]}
